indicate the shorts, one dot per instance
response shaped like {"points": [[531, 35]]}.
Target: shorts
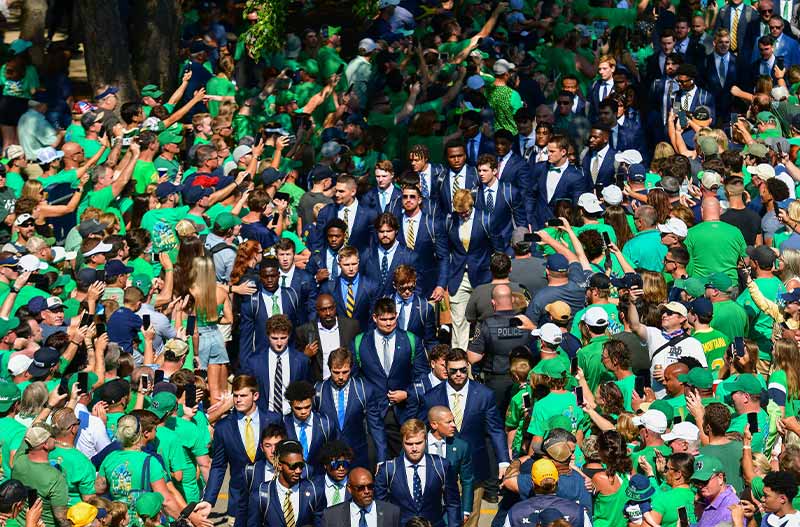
{"points": [[11, 109], [212, 346]]}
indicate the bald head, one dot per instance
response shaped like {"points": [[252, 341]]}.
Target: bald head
{"points": [[675, 369], [438, 413], [710, 209], [73, 154], [501, 298], [357, 483]]}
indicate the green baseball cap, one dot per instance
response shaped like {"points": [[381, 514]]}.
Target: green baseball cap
{"points": [[142, 282], [694, 287], [765, 117], [226, 220], [719, 281], [705, 467], [9, 394], [172, 135], [149, 504], [552, 368], [285, 97], [665, 408], [756, 150], [310, 66], [7, 325], [163, 403], [61, 281], [747, 383], [698, 377], [151, 90]]}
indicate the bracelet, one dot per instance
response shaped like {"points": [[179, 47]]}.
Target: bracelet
{"points": [[13, 290], [168, 270], [746, 447]]}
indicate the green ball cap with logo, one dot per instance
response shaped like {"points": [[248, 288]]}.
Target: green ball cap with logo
{"points": [[9, 394], [149, 504], [698, 377], [551, 368], [163, 403], [705, 467], [747, 383]]}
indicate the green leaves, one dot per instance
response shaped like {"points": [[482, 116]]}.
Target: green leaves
{"points": [[268, 34]]}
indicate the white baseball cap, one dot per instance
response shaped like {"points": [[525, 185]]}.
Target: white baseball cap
{"points": [[60, 254], [612, 195], [367, 45], [674, 226], [549, 333], [589, 202], [22, 218], [711, 179], [762, 170], [683, 430], [31, 263], [595, 317], [19, 364], [502, 67], [653, 420], [241, 151], [100, 248], [630, 157]]}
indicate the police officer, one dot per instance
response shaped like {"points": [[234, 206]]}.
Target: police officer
{"points": [[493, 342]]}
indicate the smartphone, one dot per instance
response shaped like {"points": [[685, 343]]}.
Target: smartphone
{"points": [[158, 376], [683, 119], [83, 381], [734, 117], [144, 380], [514, 322], [606, 239], [190, 391], [775, 207], [640, 385], [32, 497], [283, 196], [676, 419], [275, 217], [101, 328], [683, 517], [86, 320], [146, 321], [100, 275], [554, 222], [532, 237], [780, 62], [445, 57], [752, 422], [63, 386], [526, 400], [190, 323], [573, 366], [738, 346], [579, 395]]}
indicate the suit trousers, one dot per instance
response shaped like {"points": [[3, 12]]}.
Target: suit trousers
{"points": [[394, 441], [477, 501], [458, 310]]}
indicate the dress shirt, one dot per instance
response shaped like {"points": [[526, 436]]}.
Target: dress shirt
{"points": [[335, 394], [255, 423], [285, 372], [294, 497], [604, 89], [736, 12], [289, 277], [464, 391], [269, 471], [765, 67], [344, 284], [553, 178], [682, 46], [437, 447], [494, 188], [330, 489], [685, 98], [465, 228], [426, 174], [717, 63], [717, 511], [398, 304], [528, 141], [270, 298], [309, 432], [474, 146], [379, 349], [417, 220], [353, 208], [435, 381], [501, 164], [600, 155], [410, 474], [670, 88], [371, 517], [662, 59], [332, 262], [385, 197], [462, 178], [328, 341], [389, 256]]}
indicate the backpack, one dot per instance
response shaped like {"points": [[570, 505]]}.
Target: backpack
{"points": [[391, 470], [412, 340]]}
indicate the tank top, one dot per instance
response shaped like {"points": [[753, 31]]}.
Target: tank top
{"points": [[608, 508]]}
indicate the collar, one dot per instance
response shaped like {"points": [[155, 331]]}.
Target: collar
{"points": [[284, 490], [390, 336], [603, 151], [321, 328], [352, 206], [308, 423], [621, 121], [719, 501], [276, 353], [432, 439], [407, 462], [390, 250], [387, 190], [672, 334], [354, 281], [357, 509], [560, 168], [414, 217], [428, 170], [462, 391], [399, 299], [330, 483], [460, 173], [477, 138], [287, 273], [253, 412], [493, 187], [506, 157], [471, 217]]}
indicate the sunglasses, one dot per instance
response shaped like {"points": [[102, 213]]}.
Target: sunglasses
{"points": [[410, 196], [405, 287], [300, 465], [765, 11], [362, 488], [339, 463], [453, 371]]}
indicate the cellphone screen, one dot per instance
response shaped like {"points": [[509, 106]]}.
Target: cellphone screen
{"points": [[526, 400], [191, 395], [83, 382], [158, 377], [579, 395], [752, 421], [32, 497], [683, 517], [190, 323], [146, 321]]}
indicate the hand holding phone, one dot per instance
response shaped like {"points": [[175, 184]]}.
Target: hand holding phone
{"points": [[146, 321], [579, 395], [83, 381], [752, 422], [190, 393]]}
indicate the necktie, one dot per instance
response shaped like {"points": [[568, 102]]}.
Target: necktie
{"points": [[337, 495], [249, 438], [764, 67], [350, 304], [362, 522], [417, 487], [423, 186], [615, 136], [277, 386], [303, 438], [723, 69], [283, 280], [387, 359], [347, 221], [465, 239], [382, 200], [734, 28], [401, 317], [410, 235], [456, 185], [458, 412], [340, 410], [276, 308], [685, 102], [490, 201], [595, 168], [334, 265], [603, 92], [384, 267], [288, 511]]}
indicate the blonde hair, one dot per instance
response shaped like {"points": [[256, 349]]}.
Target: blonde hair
{"points": [[129, 431], [33, 399], [204, 288], [791, 262], [626, 428], [412, 427], [32, 189], [663, 150], [654, 287], [463, 200], [721, 138], [794, 211], [785, 357]]}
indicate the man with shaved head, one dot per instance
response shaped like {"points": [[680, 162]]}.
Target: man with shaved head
{"points": [[714, 246], [645, 250], [442, 441], [75, 164], [362, 509]]}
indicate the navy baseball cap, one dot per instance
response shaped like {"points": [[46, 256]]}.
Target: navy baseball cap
{"points": [[557, 262], [791, 296], [701, 306], [86, 276], [163, 190], [636, 172], [37, 304], [44, 359], [116, 268], [192, 195], [270, 176]]}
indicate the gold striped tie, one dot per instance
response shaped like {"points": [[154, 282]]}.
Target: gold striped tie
{"points": [[350, 306], [410, 235], [347, 221], [288, 511], [249, 438], [456, 185], [734, 29], [458, 412]]}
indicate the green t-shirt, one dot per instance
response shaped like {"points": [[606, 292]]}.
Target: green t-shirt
{"points": [[645, 250], [218, 86], [626, 386], [10, 441], [142, 266], [730, 319], [592, 365], [777, 381], [111, 423], [678, 404], [193, 446], [124, 471], [171, 166], [74, 132], [614, 325], [649, 453], [144, 173], [49, 483], [515, 417], [668, 502], [739, 422], [65, 176], [169, 216], [90, 148], [760, 322], [77, 469], [170, 450], [715, 343], [731, 456], [714, 246], [15, 182], [554, 404]]}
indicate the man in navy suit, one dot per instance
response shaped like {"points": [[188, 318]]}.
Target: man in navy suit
{"points": [[336, 458], [324, 264], [381, 260], [414, 313], [297, 279], [662, 90], [598, 163], [654, 66], [526, 135], [502, 201], [557, 179], [720, 73], [352, 406], [420, 484], [476, 417], [460, 174], [278, 366], [735, 16], [763, 66], [442, 441], [511, 168], [264, 469], [471, 242], [625, 134], [476, 143], [423, 233], [604, 86], [311, 429], [287, 500], [235, 445], [269, 300], [355, 294], [430, 174], [385, 197], [363, 509], [389, 360], [358, 216], [689, 98]]}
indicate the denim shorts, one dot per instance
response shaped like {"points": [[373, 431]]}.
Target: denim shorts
{"points": [[212, 346]]}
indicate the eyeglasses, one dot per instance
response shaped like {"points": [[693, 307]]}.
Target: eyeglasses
{"points": [[776, 27], [362, 488], [339, 463], [765, 11], [453, 371], [300, 465], [667, 260]]}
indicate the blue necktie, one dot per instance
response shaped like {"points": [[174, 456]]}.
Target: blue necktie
{"points": [[423, 186], [382, 200], [362, 522], [490, 201], [304, 439], [722, 70], [384, 267], [334, 265], [341, 409], [417, 487], [401, 318]]}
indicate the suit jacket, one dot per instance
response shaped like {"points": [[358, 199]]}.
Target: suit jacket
{"points": [[366, 295], [658, 109], [361, 232], [371, 266], [227, 450], [339, 515], [754, 71], [485, 146], [517, 171], [438, 173], [474, 260], [571, 185], [362, 413], [315, 263], [440, 486], [431, 250], [719, 90], [723, 21], [630, 137], [265, 507], [309, 332], [253, 315], [305, 286], [594, 98], [407, 365], [509, 211], [481, 419], [320, 483], [458, 454], [446, 188], [701, 98], [373, 201], [653, 68], [258, 366], [421, 320], [605, 176], [322, 431]]}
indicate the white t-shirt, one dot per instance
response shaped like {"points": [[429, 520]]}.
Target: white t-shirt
{"points": [[688, 347]]}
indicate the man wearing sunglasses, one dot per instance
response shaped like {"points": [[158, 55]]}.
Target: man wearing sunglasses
{"points": [[362, 509], [336, 458], [287, 500], [414, 312]]}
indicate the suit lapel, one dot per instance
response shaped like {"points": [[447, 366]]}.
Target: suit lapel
{"points": [[397, 353], [238, 441]]}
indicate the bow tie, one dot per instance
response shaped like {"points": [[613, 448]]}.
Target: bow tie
{"points": [[554, 169]]}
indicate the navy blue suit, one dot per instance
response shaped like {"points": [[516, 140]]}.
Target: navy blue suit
{"points": [[509, 210], [719, 90], [320, 484], [441, 484], [446, 188], [475, 261], [630, 136], [258, 366], [438, 173], [594, 97], [361, 232], [366, 295], [723, 21], [401, 374], [571, 185], [748, 77], [265, 507], [372, 200], [421, 320], [485, 146], [481, 419], [253, 316], [517, 171], [322, 431], [657, 131], [305, 286], [317, 262], [605, 176], [362, 407], [227, 450], [371, 266], [430, 247]]}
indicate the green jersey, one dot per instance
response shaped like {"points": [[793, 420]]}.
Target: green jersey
{"points": [[760, 322], [49, 483], [554, 404], [77, 469], [778, 381], [125, 471], [715, 343], [714, 246], [589, 360], [731, 319], [668, 502], [144, 173], [739, 422], [10, 441]]}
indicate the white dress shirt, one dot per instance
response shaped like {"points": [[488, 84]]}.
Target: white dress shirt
{"points": [[410, 474], [294, 496], [686, 98], [379, 349], [385, 196], [437, 447], [427, 176], [464, 391], [605, 88], [269, 471], [285, 372], [330, 489], [289, 277], [328, 341], [331, 262], [255, 423], [273, 298], [389, 256], [462, 178], [371, 517], [501, 164], [335, 395], [600, 155], [494, 188], [434, 380], [553, 178], [93, 438], [353, 209]]}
